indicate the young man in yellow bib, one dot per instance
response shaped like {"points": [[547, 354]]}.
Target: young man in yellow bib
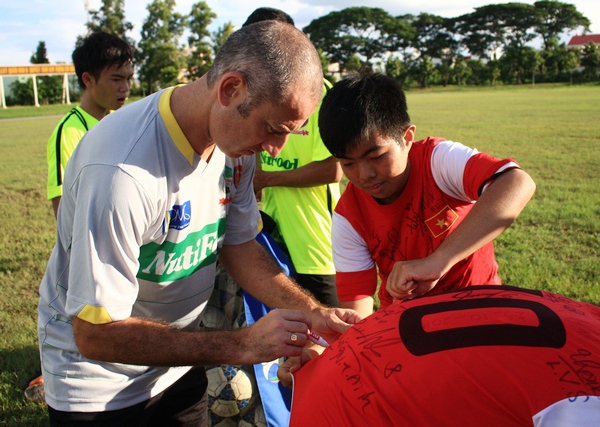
{"points": [[299, 190], [104, 67]]}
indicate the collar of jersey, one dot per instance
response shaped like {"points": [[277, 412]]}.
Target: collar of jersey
{"points": [[177, 135], [90, 120]]}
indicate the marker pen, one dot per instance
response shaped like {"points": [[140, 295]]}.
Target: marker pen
{"points": [[317, 339]]}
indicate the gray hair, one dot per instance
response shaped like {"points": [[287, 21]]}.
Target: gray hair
{"points": [[274, 58]]}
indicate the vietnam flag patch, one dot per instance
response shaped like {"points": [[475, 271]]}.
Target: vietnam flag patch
{"points": [[442, 221]]}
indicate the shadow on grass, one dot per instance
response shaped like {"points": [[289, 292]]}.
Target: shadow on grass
{"points": [[17, 366]]}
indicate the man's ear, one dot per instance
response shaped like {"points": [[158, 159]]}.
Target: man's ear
{"points": [[88, 79], [231, 86]]}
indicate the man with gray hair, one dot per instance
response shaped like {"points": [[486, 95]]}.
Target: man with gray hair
{"points": [[153, 195]]}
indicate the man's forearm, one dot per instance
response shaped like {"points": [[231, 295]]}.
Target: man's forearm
{"points": [[261, 276], [136, 341]]}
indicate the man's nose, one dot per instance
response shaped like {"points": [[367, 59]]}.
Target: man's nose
{"points": [[275, 144]]}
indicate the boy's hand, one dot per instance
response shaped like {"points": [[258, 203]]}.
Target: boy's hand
{"points": [[330, 323], [411, 278], [292, 364]]}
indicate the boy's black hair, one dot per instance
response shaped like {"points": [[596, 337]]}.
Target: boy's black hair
{"points": [[360, 107], [99, 50], [268, 14]]}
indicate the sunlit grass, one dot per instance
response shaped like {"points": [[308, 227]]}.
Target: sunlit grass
{"points": [[553, 132]]}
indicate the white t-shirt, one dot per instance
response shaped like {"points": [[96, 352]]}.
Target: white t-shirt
{"points": [[141, 222]]}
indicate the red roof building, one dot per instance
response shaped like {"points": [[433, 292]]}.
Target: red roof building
{"points": [[577, 42]]}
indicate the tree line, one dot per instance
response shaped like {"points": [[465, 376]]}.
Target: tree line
{"points": [[491, 45]]}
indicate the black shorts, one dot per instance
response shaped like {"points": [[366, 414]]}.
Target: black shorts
{"points": [[182, 404], [321, 286]]}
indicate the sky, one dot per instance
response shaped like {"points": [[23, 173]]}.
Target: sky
{"points": [[24, 23]]}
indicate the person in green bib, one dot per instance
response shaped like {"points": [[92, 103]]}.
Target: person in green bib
{"points": [[104, 67], [299, 190]]}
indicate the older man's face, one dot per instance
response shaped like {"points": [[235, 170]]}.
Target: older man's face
{"points": [[266, 126]]}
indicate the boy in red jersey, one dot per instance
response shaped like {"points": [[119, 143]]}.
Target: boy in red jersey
{"points": [[423, 214]]}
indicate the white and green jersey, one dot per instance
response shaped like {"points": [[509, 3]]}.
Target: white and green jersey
{"points": [[140, 225]]}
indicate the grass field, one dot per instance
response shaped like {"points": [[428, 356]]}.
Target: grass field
{"points": [[553, 132]]}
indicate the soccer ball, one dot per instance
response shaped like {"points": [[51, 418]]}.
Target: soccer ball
{"points": [[213, 318], [240, 321], [231, 390], [223, 422], [255, 417], [228, 295]]}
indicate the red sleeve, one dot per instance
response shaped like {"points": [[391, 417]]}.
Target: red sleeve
{"points": [[480, 170], [352, 286]]}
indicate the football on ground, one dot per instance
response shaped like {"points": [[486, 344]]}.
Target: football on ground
{"points": [[231, 390]]}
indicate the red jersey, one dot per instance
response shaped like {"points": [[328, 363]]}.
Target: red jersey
{"points": [[479, 356], [446, 178]]}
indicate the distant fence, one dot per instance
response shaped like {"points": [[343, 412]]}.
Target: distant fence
{"points": [[35, 70]]}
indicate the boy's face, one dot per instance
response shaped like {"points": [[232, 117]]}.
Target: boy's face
{"points": [[380, 166], [111, 89]]}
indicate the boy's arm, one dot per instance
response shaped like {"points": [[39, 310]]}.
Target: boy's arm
{"points": [[55, 203], [322, 172], [494, 212], [363, 306], [356, 273]]}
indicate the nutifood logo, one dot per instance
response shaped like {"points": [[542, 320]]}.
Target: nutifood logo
{"points": [[172, 261], [278, 161]]}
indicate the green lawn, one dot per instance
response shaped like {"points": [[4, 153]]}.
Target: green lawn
{"points": [[553, 132]]}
